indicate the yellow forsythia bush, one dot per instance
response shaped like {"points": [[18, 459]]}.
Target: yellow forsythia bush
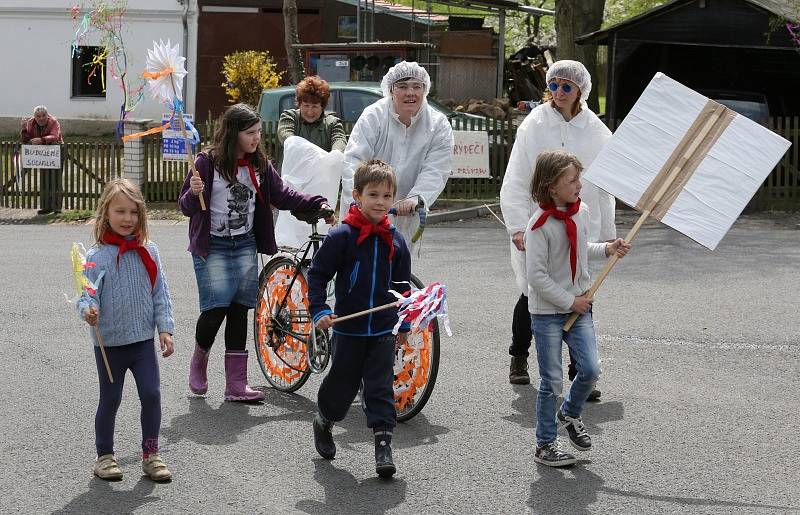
{"points": [[247, 73]]}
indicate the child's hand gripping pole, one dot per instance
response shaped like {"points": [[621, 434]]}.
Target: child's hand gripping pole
{"points": [[102, 347]]}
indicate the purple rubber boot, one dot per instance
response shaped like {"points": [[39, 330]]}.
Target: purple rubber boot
{"points": [[198, 380], [236, 388]]}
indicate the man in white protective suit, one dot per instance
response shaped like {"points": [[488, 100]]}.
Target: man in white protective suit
{"points": [[404, 131]]}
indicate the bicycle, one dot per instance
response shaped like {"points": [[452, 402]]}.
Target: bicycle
{"points": [[290, 348]]}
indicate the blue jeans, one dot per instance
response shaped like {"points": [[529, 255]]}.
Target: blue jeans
{"points": [[548, 333]]}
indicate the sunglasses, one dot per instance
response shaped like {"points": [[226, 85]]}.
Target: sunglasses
{"points": [[566, 88]]}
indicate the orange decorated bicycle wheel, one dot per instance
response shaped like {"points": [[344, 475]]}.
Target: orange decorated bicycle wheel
{"points": [[282, 325], [416, 366]]}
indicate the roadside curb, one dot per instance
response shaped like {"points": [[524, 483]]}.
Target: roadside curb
{"points": [[29, 216], [462, 214]]}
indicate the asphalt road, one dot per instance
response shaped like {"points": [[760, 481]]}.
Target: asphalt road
{"points": [[700, 394]]}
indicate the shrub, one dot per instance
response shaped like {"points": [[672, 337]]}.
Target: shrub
{"points": [[247, 73]]}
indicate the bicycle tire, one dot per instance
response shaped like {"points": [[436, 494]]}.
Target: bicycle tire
{"points": [[286, 368], [415, 369]]}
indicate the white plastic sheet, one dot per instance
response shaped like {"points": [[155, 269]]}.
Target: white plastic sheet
{"points": [[308, 169], [720, 187]]}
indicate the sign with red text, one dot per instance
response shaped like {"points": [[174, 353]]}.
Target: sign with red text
{"points": [[470, 155], [41, 156]]}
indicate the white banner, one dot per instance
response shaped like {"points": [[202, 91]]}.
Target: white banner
{"points": [[470, 155], [721, 185], [41, 156]]}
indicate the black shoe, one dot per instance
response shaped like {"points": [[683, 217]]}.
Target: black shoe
{"points": [[384, 465], [44, 211], [578, 436], [323, 438], [550, 455], [594, 396], [518, 373]]}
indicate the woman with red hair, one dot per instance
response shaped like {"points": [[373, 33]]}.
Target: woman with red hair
{"points": [[309, 119]]}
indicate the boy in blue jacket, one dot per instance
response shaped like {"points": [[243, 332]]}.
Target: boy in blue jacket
{"points": [[369, 257]]}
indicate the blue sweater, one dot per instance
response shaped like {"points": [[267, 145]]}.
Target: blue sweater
{"points": [[364, 277], [130, 308]]}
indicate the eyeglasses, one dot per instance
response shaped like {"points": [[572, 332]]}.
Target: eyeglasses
{"points": [[405, 86], [566, 88]]}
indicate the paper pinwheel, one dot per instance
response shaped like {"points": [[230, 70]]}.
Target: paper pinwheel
{"points": [[164, 71], [84, 288], [420, 307]]}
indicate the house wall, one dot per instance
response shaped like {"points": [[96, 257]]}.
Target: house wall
{"points": [[37, 49]]}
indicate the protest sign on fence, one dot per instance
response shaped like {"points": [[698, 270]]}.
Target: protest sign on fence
{"points": [[470, 155], [41, 156]]}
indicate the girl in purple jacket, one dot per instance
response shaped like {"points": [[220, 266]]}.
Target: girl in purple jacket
{"points": [[238, 185]]}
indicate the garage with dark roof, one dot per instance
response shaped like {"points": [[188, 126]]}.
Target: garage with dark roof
{"points": [[725, 49]]}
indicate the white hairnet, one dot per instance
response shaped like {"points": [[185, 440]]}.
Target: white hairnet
{"points": [[572, 71], [405, 70]]}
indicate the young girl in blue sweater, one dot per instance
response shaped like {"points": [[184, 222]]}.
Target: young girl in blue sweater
{"points": [[131, 302]]}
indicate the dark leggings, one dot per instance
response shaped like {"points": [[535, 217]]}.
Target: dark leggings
{"points": [[140, 359], [209, 322], [522, 336]]}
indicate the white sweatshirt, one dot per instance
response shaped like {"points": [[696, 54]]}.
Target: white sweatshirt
{"points": [[550, 286], [545, 129]]}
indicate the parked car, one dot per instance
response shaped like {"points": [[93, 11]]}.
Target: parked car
{"points": [[348, 100], [749, 104]]}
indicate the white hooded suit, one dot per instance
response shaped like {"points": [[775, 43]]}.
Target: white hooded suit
{"points": [[545, 129]]}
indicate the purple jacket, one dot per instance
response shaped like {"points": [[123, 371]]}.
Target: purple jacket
{"points": [[273, 191]]}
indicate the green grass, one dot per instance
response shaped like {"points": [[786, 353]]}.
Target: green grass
{"points": [[78, 215]]}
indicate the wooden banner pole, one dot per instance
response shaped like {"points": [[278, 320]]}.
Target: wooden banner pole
{"points": [[666, 183], [103, 353], [365, 312], [188, 144]]}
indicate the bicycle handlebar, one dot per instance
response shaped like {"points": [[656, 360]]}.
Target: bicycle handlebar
{"points": [[422, 211], [312, 217]]}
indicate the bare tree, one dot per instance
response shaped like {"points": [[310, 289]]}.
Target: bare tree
{"points": [[575, 18], [296, 69]]}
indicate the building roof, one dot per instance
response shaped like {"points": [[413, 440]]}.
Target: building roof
{"points": [[403, 11], [779, 8]]}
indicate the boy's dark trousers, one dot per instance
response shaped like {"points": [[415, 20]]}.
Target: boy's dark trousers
{"points": [[357, 358]]}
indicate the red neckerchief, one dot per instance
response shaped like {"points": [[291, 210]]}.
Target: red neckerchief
{"points": [[569, 225], [125, 245], [246, 162], [383, 229]]}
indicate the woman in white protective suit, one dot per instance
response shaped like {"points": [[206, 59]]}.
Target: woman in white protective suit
{"points": [[563, 121], [402, 130]]}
